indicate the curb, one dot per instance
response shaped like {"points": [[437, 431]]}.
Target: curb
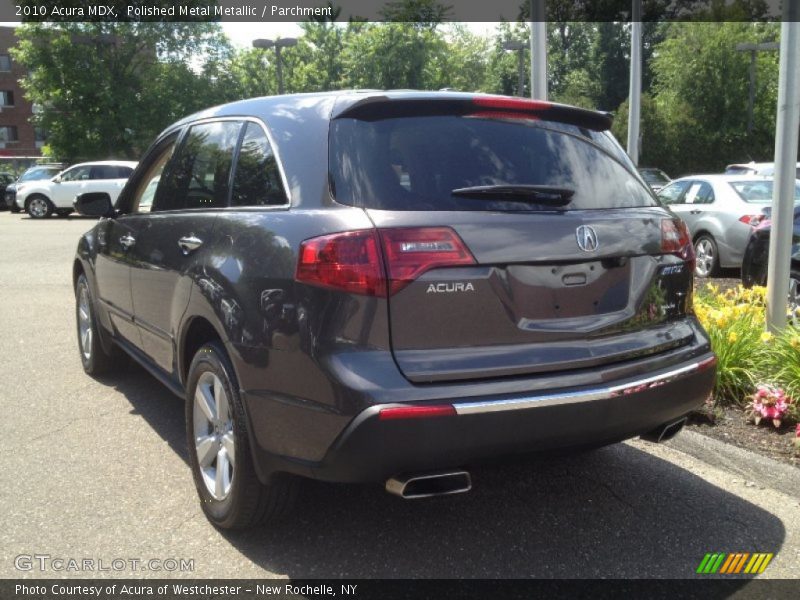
{"points": [[753, 468]]}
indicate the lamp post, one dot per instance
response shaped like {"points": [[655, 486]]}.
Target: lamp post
{"points": [[277, 44], [519, 48], [538, 50], [635, 82], [752, 49]]}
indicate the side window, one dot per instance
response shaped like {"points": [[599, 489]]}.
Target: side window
{"points": [[103, 172], [690, 197], [705, 195], [76, 174], [123, 172], [673, 192], [199, 175], [142, 201], [257, 180]]}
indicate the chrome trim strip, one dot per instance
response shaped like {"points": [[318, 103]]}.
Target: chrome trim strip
{"points": [[488, 406]]}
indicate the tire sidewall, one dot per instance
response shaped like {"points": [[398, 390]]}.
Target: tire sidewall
{"points": [[213, 358], [36, 197], [88, 365]]}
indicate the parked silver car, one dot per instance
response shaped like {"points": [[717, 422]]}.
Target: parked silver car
{"points": [[721, 212]]}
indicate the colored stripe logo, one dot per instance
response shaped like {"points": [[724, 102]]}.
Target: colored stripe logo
{"points": [[735, 563]]}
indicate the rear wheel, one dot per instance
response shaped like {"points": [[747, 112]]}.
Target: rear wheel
{"points": [[231, 495], [39, 207], [94, 358], [707, 256]]}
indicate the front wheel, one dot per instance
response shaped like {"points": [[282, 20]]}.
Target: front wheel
{"points": [[94, 358], [705, 248], [39, 207], [231, 495]]}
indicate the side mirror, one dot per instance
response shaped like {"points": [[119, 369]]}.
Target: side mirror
{"points": [[57, 179], [94, 204]]}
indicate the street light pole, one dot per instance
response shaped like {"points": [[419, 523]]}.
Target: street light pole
{"points": [[786, 137], [538, 50], [277, 44], [635, 83], [519, 48], [753, 49]]}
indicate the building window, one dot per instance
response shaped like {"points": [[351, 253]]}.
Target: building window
{"points": [[8, 134], [6, 98], [40, 133], [5, 63]]}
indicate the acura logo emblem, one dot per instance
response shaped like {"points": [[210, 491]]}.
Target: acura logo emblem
{"points": [[587, 238]]}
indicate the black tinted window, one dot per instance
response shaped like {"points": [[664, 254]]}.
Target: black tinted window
{"points": [[416, 163], [257, 181], [103, 172], [124, 172], [198, 176]]}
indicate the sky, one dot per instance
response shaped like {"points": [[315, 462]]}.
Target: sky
{"points": [[243, 34]]}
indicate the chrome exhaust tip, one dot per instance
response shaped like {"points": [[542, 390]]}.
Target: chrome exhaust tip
{"points": [[428, 485], [662, 433]]}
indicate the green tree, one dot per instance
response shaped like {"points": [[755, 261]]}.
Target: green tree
{"points": [[106, 89]]}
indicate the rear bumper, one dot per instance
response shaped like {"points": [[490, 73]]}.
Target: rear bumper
{"points": [[372, 449]]}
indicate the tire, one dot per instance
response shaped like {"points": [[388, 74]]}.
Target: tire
{"points": [[707, 256], [231, 495], [94, 358], [39, 207]]}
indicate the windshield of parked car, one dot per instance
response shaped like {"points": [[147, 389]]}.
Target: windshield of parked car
{"points": [[758, 192], [425, 163], [40, 173]]}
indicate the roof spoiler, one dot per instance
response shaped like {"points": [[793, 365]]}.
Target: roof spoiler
{"points": [[375, 108]]}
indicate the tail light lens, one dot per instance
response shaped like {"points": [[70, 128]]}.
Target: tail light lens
{"points": [[675, 239], [354, 261], [416, 412], [752, 220], [412, 251], [349, 261]]}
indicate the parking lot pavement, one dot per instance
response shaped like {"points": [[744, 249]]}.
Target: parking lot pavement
{"points": [[97, 469]]}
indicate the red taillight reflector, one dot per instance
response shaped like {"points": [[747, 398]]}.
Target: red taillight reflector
{"points": [[348, 261], [752, 220], [675, 239], [515, 104], [707, 363], [410, 251], [416, 412]]}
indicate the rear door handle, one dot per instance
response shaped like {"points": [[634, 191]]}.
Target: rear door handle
{"points": [[127, 241], [189, 243]]}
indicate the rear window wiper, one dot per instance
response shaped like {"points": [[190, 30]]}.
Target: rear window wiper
{"points": [[537, 194]]}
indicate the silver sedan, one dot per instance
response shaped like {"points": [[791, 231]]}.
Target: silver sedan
{"points": [[721, 212]]}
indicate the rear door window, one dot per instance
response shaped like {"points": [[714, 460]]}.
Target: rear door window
{"points": [[257, 179], [415, 163], [199, 175]]}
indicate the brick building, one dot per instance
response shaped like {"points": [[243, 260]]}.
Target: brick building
{"points": [[18, 137]]}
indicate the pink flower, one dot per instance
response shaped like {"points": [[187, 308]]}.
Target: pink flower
{"points": [[797, 431]]}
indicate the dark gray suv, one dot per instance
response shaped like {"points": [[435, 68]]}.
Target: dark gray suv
{"points": [[390, 287]]}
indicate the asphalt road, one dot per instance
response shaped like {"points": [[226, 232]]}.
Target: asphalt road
{"points": [[98, 469]]}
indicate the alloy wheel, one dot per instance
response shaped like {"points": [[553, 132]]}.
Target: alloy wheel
{"points": [[214, 439], [38, 207], [85, 322], [704, 250]]}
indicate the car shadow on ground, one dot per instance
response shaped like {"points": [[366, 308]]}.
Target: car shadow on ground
{"points": [[616, 512]]}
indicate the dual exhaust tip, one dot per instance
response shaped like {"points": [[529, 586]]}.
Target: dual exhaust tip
{"points": [[428, 485], [445, 483]]}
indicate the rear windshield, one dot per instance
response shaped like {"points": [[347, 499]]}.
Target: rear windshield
{"points": [[758, 192], [415, 163]]}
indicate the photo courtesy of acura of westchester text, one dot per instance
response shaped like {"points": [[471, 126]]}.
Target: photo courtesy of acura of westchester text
{"points": [[408, 297]]}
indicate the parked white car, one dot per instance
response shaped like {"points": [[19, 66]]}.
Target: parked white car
{"points": [[41, 199]]}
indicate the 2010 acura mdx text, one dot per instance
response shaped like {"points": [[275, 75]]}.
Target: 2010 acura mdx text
{"points": [[390, 287]]}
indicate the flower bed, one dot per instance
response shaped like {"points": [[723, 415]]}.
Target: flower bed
{"points": [[758, 373]]}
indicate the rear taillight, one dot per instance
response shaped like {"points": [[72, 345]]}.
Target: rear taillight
{"points": [[354, 261], [503, 103], [349, 261], [752, 220], [410, 252], [416, 412], [675, 239]]}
